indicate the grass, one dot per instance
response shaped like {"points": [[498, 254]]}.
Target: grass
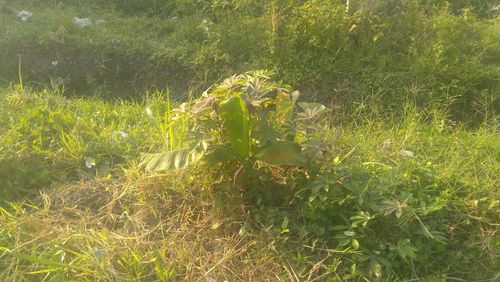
{"points": [[442, 53], [112, 222], [103, 230], [109, 222], [113, 58], [403, 182], [48, 136]]}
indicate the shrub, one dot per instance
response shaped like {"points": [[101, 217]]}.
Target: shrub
{"points": [[246, 119]]}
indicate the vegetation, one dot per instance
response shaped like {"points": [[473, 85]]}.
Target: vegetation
{"points": [[436, 51], [116, 164]]}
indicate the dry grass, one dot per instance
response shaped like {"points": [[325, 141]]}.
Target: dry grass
{"points": [[140, 230]]}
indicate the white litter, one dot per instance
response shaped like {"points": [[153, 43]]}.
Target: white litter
{"points": [[55, 63], [407, 154], [89, 164], [24, 15], [82, 22]]}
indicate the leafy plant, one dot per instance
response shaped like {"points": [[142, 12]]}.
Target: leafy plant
{"points": [[246, 118]]}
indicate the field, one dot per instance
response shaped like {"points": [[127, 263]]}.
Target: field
{"points": [[166, 140]]}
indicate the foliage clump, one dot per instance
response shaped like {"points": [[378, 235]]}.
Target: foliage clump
{"points": [[247, 119]]}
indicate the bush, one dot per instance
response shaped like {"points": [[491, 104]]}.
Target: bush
{"points": [[245, 120]]}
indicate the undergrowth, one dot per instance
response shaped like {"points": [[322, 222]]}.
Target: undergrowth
{"points": [[439, 51], [48, 139], [411, 199], [125, 157]]}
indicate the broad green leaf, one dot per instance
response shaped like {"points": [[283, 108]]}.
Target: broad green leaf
{"points": [[237, 123], [310, 110], [282, 153], [170, 160]]}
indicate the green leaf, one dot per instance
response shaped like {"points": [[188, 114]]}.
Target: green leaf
{"points": [[404, 248], [294, 96], [355, 244], [198, 107], [285, 222], [263, 132], [172, 160], [284, 107], [361, 218], [282, 153], [349, 233], [237, 123], [310, 110], [394, 206]]}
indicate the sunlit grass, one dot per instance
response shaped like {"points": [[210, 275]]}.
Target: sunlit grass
{"points": [[411, 117], [110, 221]]}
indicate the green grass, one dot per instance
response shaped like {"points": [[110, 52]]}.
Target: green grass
{"points": [[401, 182], [47, 138], [113, 222], [120, 57], [440, 53]]}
